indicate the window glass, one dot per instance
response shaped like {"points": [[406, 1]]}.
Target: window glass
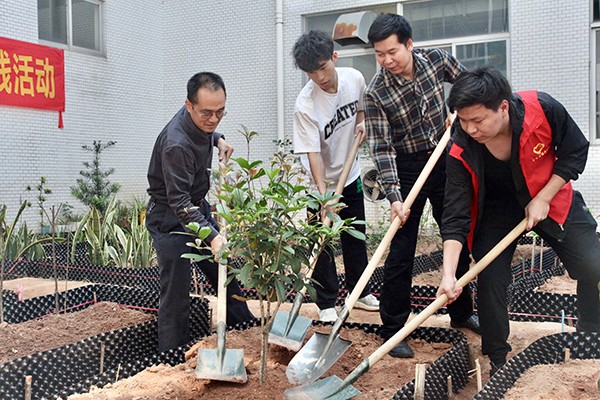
{"points": [[52, 20], [365, 64], [473, 55], [440, 19], [596, 10], [71, 23], [86, 19]]}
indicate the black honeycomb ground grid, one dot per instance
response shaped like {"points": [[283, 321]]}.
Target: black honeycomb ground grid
{"points": [[526, 304], [546, 350], [74, 367]]}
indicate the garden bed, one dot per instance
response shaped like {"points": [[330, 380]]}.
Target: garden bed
{"points": [[549, 350], [72, 367], [443, 349]]}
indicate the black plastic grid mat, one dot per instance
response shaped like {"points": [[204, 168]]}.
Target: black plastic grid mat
{"points": [[64, 370], [547, 350]]}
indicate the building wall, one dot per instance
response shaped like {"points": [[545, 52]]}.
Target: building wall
{"points": [[552, 54], [154, 46], [115, 97]]}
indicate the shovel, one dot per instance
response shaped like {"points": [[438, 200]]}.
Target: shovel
{"points": [[322, 351], [289, 329], [221, 364], [333, 387]]}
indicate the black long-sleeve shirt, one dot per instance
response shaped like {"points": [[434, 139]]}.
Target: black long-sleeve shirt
{"points": [[570, 148], [179, 170]]}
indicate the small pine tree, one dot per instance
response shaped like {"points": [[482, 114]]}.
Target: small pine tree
{"points": [[94, 189]]}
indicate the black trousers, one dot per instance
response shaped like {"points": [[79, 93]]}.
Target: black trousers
{"points": [[175, 277], [397, 277], [354, 251], [579, 252]]}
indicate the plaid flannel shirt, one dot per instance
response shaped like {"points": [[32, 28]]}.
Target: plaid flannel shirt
{"points": [[403, 116]]}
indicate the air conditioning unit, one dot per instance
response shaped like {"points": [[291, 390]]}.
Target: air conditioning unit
{"points": [[372, 188], [352, 29]]}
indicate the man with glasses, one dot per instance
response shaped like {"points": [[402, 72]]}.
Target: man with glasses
{"points": [[179, 180]]}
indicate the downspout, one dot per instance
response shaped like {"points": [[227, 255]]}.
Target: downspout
{"points": [[279, 51]]}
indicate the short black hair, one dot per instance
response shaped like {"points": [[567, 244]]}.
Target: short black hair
{"points": [[208, 80], [385, 25], [483, 85], [311, 50]]}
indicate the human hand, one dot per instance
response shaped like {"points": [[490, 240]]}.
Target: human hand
{"points": [[448, 121], [360, 132], [396, 211], [536, 211], [328, 208], [216, 244], [225, 150], [448, 287]]}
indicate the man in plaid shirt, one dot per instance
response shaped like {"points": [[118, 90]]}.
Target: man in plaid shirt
{"points": [[405, 117]]}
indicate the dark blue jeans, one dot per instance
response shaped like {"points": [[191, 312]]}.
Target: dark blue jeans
{"points": [[175, 277], [579, 252], [397, 276], [354, 252]]}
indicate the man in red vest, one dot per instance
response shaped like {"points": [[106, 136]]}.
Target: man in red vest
{"points": [[513, 156]]}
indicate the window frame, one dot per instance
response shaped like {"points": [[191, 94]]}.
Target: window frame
{"points": [[69, 19], [466, 40]]}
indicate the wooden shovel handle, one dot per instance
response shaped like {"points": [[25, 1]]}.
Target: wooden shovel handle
{"points": [[443, 299], [395, 225], [338, 190]]}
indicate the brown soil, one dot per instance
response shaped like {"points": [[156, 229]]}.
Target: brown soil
{"points": [[576, 379], [429, 278], [27, 288], [165, 382], [179, 382], [562, 284], [57, 330]]}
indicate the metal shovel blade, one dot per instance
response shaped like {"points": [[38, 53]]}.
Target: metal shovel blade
{"points": [[327, 388], [229, 369], [303, 367], [295, 337]]}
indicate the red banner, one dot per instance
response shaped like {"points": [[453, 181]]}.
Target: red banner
{"points": [[32, 76]]}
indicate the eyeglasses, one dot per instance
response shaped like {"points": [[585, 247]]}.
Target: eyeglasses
{"points": [[207, 114]]}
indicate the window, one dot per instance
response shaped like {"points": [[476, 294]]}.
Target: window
{"points": [[72, 24], [444, 19], [474, 31]]}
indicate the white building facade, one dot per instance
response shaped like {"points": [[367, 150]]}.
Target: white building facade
{"points": [[127, 64]]}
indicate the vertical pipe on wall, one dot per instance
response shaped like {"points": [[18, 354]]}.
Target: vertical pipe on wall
{"points": [[279, 51]]}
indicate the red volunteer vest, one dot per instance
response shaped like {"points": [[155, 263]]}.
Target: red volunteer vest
{"points": [[537, 157]]}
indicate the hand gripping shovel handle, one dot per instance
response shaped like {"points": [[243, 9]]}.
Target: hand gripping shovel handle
{"points": [[435, 305]]}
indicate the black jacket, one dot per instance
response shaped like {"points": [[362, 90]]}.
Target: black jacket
{"points": [[570, 146], [179, 170]]}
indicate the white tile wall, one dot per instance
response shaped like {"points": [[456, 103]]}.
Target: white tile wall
{"points": [[154, 46]]}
